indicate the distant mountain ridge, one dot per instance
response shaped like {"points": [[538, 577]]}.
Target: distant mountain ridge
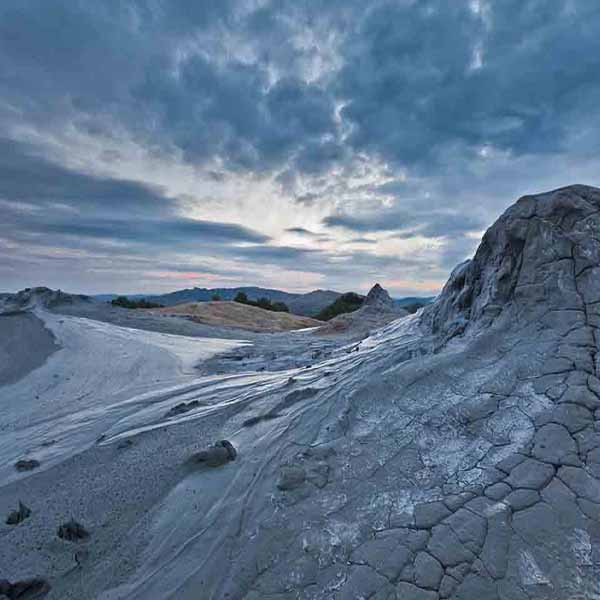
{"points": [[308, 304], [300, 304]]}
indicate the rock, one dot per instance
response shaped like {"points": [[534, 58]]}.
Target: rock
{"points": [[385, 554], [81, 555], [447, 586], [429, 514], [581, 483], [72, 531], [19, 515], [498, 491], [26, 589], [377, 310], [531, 474], [407, 591], [268, 416], [217, 455], [428, 571], [362, 582], [182, 408], [494, 554], [291, 477], [27, 464], [447, 548], [553, 444], [455, 501], [572, 416], [522, 268], [469, 527], [520, 499], [378, 297]]}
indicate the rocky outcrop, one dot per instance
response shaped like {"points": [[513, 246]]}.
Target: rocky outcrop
{"points": [[541, 255], [377, 310], [379, 299], [471, 472], [38, 296]]}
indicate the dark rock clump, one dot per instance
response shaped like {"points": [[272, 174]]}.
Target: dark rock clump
{"points": [[182, 408], [19, 515], [72, 531], [216, 455], [27, 464], [27, 589]]}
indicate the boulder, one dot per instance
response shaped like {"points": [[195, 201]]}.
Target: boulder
{"points": [[19, 515], [26, 589], [217, 455], [27, 464], [72, 531]]}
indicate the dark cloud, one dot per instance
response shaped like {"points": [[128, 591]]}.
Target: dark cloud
{"points": [[429, 224], [462, 105], [301, 231], [226, 80], [32, 179], [171, 232], [165, 78], [421, 76], [290, 255], [38, 197], [306, 233], [363, 240]]}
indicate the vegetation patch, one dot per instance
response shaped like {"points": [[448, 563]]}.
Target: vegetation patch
{"points": [[125, 302], [265, 303], [346, 303]]}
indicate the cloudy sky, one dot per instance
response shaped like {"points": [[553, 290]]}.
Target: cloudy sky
{"points": [[151, 145]]}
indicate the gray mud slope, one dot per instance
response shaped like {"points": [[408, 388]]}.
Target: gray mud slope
{"points": [[496, 433], [458, 461], [453, 454], [25, 344]]}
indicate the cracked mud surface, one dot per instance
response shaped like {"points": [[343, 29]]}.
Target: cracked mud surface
{"points": [[453, 454]]}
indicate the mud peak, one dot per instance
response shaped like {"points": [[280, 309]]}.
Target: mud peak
{"points": [[378, 296], [541, 255], [29, 298]]}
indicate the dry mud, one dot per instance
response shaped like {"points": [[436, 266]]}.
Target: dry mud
{"points": [[454, 453]]}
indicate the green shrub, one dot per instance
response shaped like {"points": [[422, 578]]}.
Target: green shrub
{"points": [[263, 303], [125, 302], [280, 307], [344, 304]]}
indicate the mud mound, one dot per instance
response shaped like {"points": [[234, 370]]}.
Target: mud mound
{"points": [[541, 255], [38, 296], [453, 454], [377, 310]]}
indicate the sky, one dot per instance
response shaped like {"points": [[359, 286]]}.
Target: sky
{"points": [[152, 145]]}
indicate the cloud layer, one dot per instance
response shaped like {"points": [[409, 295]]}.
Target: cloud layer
{"points": [[151, 144]]}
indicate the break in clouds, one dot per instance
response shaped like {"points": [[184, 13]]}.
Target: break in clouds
{"points": [[152, 145]]}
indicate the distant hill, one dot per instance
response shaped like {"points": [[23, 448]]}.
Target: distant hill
{"points": [[240, 316], [413, 303], [308, 304]]}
